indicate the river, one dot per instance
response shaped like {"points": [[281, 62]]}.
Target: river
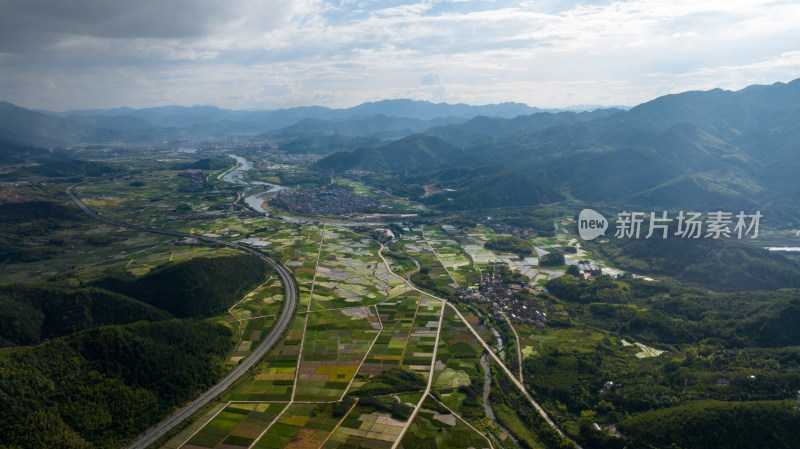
{"points": [[236, 176], [256, 200]]}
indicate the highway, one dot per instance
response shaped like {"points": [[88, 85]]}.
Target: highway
{"points": [[285, 317]]}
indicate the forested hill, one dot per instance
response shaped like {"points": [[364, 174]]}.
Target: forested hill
{"points": [[99, 388], [464, 188], [413, 151], [197, 288], [88, 384], [33, 312], [722, 265], [747, 425]]}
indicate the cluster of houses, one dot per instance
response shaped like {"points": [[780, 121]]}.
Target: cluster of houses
{"points": [[503, 228], [197, 181], [500, 298], [324, 202], [383, 235]]}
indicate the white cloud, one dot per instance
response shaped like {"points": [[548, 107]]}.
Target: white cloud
{"points": [[265, 54], [431, 79]]}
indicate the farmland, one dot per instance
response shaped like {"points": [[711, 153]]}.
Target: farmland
{"points": [[382, 350], [357, 323]]}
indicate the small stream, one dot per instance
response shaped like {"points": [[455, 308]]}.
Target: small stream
{"points": [[487, 386]]}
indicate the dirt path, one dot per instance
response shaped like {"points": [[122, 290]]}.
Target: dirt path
{"points": [[488, 349], [519, 345], [308, 310], [422, 230], [430, 381]]}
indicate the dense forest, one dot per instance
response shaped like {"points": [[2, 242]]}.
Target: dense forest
{"points": [[100, 366], [719, 349], [717, 264], [468, 188], [36, 219], [663, 313], [33, 312], [99, 388], [717, 425], [71, 170], [197, 288]]}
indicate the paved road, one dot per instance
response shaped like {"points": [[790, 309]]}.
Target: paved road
{"points": [[285, 317]]}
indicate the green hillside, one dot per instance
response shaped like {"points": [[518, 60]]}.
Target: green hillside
{"points": [[326, 144], [101, 387], [197, 288], [409, 152], [466, 188], [36, 218], [666, 314], [718, 264], [716, 425], [367, 159], [32, 313], [72, 168]]}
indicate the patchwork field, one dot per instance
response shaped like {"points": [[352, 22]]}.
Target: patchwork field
{"points": [[457, 357], [336, 342], [238, 425], [350, 273], [273, 380], [452, 256], [419, 347], [397, 317], [365, 428], [435, 427]]}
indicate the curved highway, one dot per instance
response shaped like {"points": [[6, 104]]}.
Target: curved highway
{"points": [[285, 317]]}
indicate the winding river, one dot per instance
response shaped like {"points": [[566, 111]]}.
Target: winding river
{"points": [[236, 176], [256, 200]]}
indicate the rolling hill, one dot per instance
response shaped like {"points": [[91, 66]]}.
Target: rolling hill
{"points": [[21, 126], [32, 313], [709, 149], [409, 152]]}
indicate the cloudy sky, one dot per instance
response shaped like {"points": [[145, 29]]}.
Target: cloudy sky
{"points": [[248, 54]]}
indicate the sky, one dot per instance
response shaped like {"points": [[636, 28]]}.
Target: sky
{"points": [[269, 54]]}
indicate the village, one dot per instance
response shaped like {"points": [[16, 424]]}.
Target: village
{"points": [[325, 202], [511, 299]]}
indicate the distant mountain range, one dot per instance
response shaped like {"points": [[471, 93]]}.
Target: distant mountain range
{"points": [[387, 119], [707, 150], [716, 148], [382, 120], [424, 110]]}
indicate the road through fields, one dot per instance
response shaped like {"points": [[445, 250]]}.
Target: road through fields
{"points": [[161, 429]]}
